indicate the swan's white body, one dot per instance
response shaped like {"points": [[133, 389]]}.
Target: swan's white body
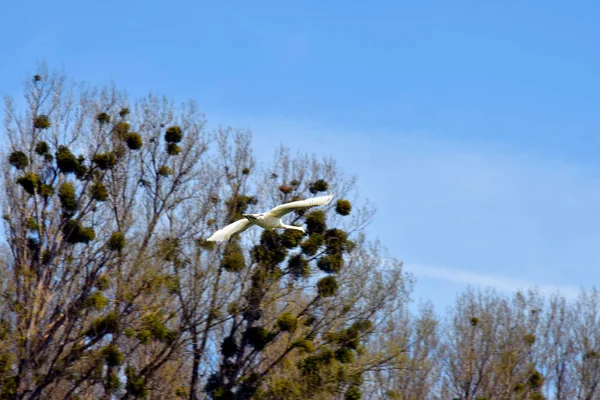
{"points": [[268, 220]]}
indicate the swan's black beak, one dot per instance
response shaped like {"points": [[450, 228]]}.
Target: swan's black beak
{"points": [[249, 217]]}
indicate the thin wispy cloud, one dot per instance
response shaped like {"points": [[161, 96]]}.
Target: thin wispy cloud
{"points": [[499, 282]]}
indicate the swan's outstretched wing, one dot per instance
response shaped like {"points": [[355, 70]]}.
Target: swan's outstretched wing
{"points": [[283, 209], [227, 232]]}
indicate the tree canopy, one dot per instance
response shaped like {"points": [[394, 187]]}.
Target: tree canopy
{"points": [[111, 291]]}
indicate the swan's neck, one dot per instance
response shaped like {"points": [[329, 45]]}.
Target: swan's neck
{"points": [[296, 228]]}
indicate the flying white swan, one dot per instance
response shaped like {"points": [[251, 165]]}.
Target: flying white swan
{"points": [[270, 219]]}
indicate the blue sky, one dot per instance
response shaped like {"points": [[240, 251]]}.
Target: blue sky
{"points": [[473, 126]]}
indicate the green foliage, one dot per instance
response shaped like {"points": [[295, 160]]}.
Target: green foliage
{"points": [[237, 205], [181, 393], [112, 382], [134, 141], [304, 345], [66, 194], [291, 238], [229, 347], [116, 242], [258, 337], [5, 329], [336, 241], [474, 321], [233, 258], [81, 169], [298, 267], [343, 207], [310, 320], [270, 252], [6, 362], [144, 336], [42, 148], [287, 322], [37, 78], [98, 191], [173, 134], [29, 182], [536, 380], [121, 129], [105, 161], [315, 222], [32, 224], [136, 384], [112, 356], [353, 393], [169, 249], [205, 244], [154, 324], [8, 388], [102, 283], [529, 339], [105, 325], [285, 189], [312, 244], [318, 186], [331, 264], [75, 233], [519, 388], [311, 365], [18, 159], [103, 118], [283, 389], [173, 149], [129, 333], [246, 171], [41, 122], [327, 286], [96, 301], [123, 112], [591, 354], [344, 355], [46, 190], [65, 160], [164, 171], [233, 308]]}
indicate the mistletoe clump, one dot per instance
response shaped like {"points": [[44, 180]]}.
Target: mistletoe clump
{"points": [[29, 182], [65, 160], [42, 148], [116, 242], [298, 267], [287, 322], [75, 233], [173, 149], [134, 141], [327, 287], [98, 191], [315, 222], [318, 186], [173, 134], [233, 259], [103, 118], [105, 161], [41, 122], [121, 129], [18, 159], [343, 207], [66, 194]]}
